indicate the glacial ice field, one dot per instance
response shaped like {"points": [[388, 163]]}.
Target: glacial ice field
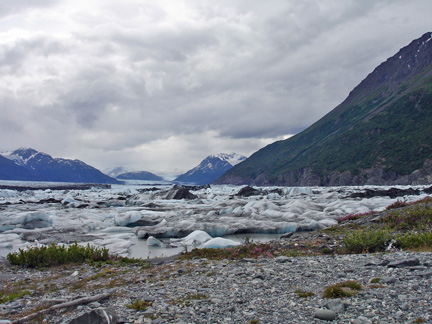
{"points": [[146, 221]]}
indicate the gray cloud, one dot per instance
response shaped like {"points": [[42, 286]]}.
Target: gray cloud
{"points": [[158, 87]]}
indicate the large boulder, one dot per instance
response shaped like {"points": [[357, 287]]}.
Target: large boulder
{"points": [[178, 193], [97, 316]]}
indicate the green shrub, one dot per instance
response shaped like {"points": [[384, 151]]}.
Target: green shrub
{"points": [[418, 217], [414, 240], [53, 255], [375, 280], [304, 294], [367, 240], [335, 291], [338, 291], [6, 297], [139, 305]]}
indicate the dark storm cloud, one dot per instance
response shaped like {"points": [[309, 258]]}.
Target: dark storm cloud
{"points": [[140, 82]]}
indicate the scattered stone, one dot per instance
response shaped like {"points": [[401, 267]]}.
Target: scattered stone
{"points": [[362, 320], [286, 236], [404, 263], [336, 305], [97, 316], [325, 314]]}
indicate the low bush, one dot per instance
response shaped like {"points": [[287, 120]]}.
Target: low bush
{"points": [[341, 290], [418, 217], [414, 240], [367, 240], [6, 297], [53, 255], [139, 305], [304, 294]]}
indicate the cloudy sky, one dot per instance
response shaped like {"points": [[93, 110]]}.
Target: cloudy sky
{"points": [[159, 85]]}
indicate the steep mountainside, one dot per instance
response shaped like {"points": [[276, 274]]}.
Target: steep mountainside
{"points": [[211, 168], [29, 164], [380, 134], [139, 175]]}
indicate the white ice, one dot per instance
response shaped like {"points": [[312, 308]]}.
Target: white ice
{"points": [[102, 215]]}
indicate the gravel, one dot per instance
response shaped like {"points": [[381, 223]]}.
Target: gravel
{"points": [[227, 291]]}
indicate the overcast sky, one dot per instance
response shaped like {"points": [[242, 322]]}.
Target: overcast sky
{"points": [[160, 85]]}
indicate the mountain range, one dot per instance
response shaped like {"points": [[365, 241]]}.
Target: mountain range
{"points": [[139, 175], [27, 164], [380, 134], [210, 169]]}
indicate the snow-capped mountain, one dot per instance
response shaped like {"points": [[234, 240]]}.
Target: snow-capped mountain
{"points": [[29, 164], [114, 172], [211, 168]]}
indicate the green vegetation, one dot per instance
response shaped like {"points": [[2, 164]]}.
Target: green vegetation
{"points": [[139, 305], [6, 296], [366, 240], [304, 294], [341, 290], [53, 255], [375, 280], [409, 228]]}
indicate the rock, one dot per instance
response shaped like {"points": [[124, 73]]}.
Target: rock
{"points": [[387, 280], [404, 263], [97, 316], [248, 191], [362, 320], [286, 236], [178, 193], [282, 259], [325, 314], [336, 305], [425, 274]]}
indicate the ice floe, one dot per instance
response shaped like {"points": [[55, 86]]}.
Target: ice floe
{"points": [[115, 217]]}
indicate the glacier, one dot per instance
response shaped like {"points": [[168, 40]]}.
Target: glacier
{"points": [[124, 217]]}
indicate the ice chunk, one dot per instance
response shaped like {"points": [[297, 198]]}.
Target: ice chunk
{"points": [[328, 222], [34, 220], [127, 218], [220, 243], [197, 236], [152, 241]]}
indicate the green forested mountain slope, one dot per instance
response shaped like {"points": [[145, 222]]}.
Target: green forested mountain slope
{"points": [[380, 134]]}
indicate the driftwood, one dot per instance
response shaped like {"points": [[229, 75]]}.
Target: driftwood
{"points": [[75, 302]]}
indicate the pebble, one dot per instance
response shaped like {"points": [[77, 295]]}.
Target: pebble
{"points": [[239, 292]]}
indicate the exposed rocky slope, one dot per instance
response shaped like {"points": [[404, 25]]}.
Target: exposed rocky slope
{"points": [[380, 134]]}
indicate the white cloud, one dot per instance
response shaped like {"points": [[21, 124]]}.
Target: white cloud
{"points": [[159, 85]]}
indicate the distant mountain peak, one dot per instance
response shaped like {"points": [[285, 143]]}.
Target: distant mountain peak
{"points": [[211, 168], [232, 158], [114, 172], [29, 164]]}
